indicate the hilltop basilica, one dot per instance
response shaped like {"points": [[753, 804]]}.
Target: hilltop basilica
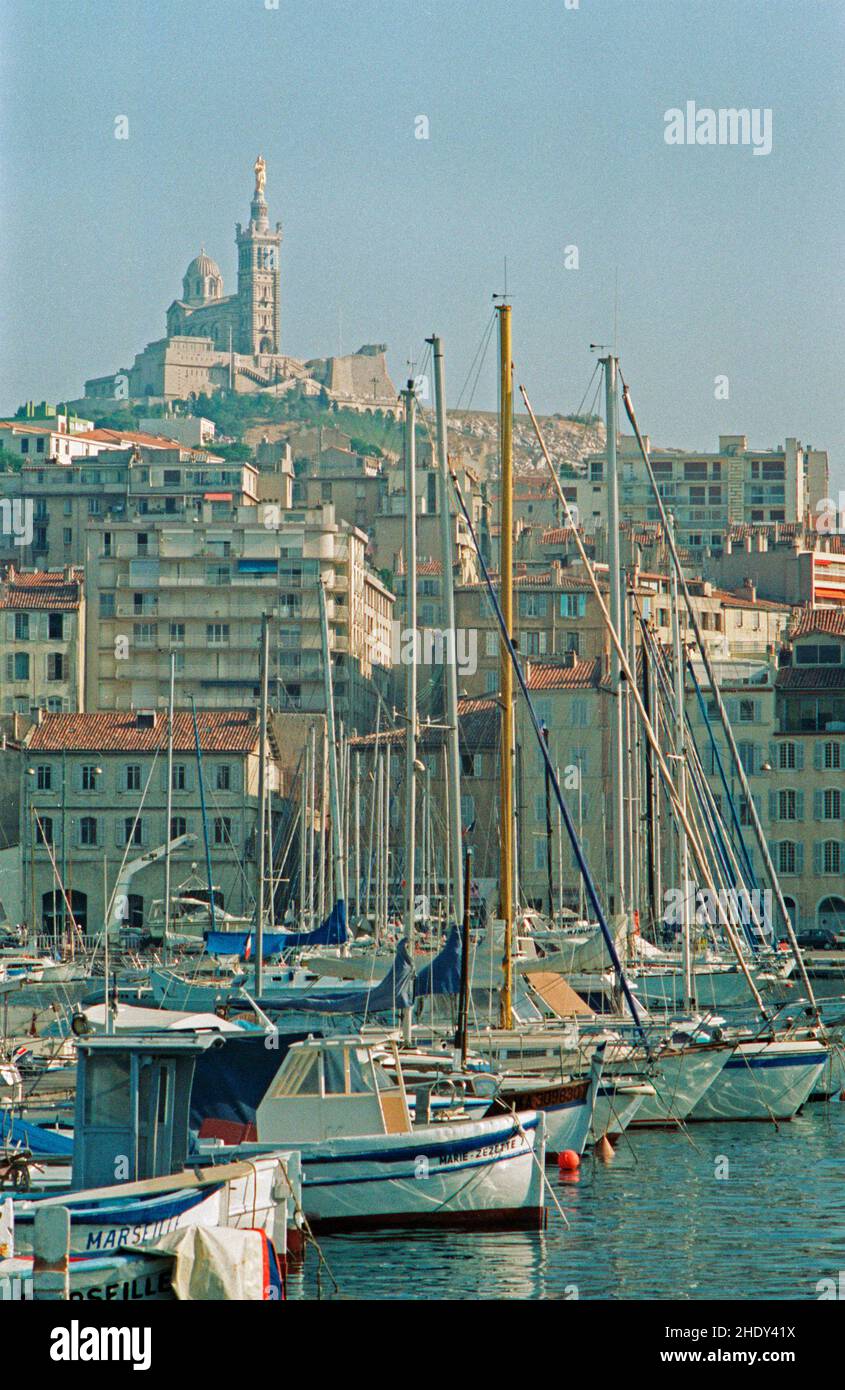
{"points": [[218, 341]]}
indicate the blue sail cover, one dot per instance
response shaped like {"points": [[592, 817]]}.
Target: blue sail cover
{"points": [[394, 993], [332, 932], [442, 975]]}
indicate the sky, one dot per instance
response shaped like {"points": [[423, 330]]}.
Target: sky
{"points": [[545, 124]]}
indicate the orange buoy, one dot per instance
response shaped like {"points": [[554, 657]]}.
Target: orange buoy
{"points": [[568, 1161], [604, 1148]]}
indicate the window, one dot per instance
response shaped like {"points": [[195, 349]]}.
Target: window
{"points": [[44, 830], [107, 545], [788, 804], [579, 714], [143, 542], [177, 632], [573, 605], [133, 831], [218, 575], [55, 627], [533, 605], [746, 757], [145, 634], [178, 780], [786, 757], [832, 757], [55, 667], [540, 852], [491, 682], [132, 777], [20, 666], [217, 634], [177, 827], [222, 830], [93, 506], [88, 830], [21, 627], [787, 857], [747, 712], [223, 777], [106, 605], [468, 812], [44, 777], [831, 857], [823, 654], [831, 804], [89, 778], [491, 640], [67, 536]]}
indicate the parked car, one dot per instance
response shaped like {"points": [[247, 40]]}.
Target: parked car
{"points": [[821, 939]]}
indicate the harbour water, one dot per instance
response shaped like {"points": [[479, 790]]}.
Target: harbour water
{"points": [[656, 1222]]}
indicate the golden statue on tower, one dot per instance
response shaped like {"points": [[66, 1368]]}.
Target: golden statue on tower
{"points": [[260, 176]]}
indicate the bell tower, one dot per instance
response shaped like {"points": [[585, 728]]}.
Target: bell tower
{"points": [[259, 248]]}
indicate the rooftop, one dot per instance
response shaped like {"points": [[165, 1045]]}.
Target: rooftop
{"points": [[134, 731]]}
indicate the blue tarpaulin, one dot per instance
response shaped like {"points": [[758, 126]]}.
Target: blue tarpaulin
{"points": [[442, 975], [39, 1141], [332, 932], [394, 993]]}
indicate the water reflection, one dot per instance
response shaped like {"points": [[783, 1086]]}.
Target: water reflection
{"points": [[723, 1211]]}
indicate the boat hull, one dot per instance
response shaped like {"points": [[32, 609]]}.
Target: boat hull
{"points": [[763, 1081]]}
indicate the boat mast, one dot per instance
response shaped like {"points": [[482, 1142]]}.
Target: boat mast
{"points": [[168, 826], [617, 743], [334, 794], [262, 805], [411, 670], [453, 783], [681, 782], [506, 825]]}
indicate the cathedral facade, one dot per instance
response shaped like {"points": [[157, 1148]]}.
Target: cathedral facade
{"points": [[216, 341]]}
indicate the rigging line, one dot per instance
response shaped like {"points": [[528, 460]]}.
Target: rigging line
{"points": [[587, 388], [723, 716], [480, 350], [592, 891], [671, 792]]}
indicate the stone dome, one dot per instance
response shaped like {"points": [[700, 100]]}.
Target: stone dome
{"points": [[202, 280]]}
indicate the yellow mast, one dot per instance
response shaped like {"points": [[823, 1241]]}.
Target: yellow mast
{"points": [[506, 670]]}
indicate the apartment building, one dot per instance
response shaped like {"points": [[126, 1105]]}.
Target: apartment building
{"points": [[94, 799], [708, 493], [197, 588], [147, 476], [42, 641]]}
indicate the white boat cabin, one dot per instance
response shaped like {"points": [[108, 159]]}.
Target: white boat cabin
{"points": [[328, 1088]]}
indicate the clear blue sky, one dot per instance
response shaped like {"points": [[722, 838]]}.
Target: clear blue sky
{"points": [[546, 130]]}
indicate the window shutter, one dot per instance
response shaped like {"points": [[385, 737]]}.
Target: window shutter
{"points": [[818, 804], [799, 805], [543, 647], [773, 806], [119, 832], [818, 755], [799, 756], [799, 858], [818, 856], [10, 669]]}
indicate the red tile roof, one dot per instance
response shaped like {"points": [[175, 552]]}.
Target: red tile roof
{"points": [[41, 589], [121, 438], [583, 675], [220, 731], [830, 621]]}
